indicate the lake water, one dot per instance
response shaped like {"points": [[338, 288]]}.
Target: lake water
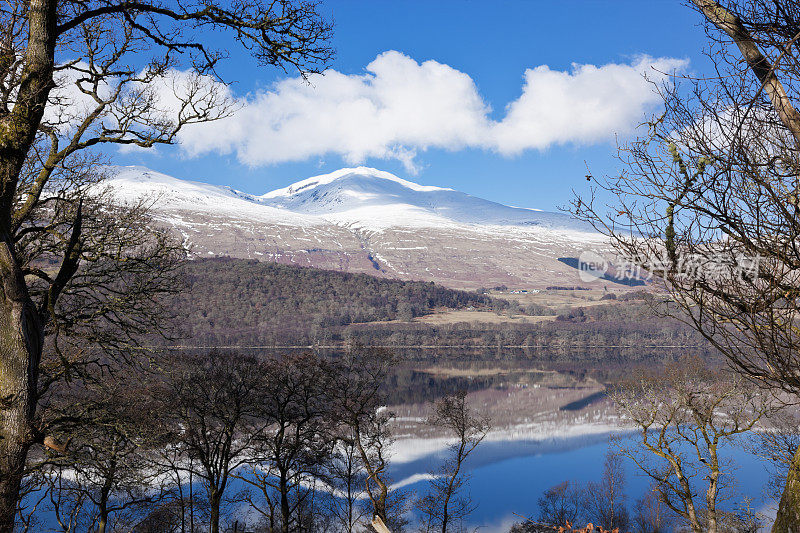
{"points": [[508, 477]]}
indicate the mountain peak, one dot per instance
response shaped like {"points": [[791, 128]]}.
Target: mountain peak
{"points": [[365, 220], [345, 173], [361, 197]]}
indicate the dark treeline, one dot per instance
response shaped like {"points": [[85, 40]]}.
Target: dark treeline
{"points": [[600, 334], [231, 302], [551, 335], [244, 301]]}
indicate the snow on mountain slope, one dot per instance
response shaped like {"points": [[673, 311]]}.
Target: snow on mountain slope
{"points": [[378, 199], [366, 220], [366, 197], [129, 184], [326, 179]]}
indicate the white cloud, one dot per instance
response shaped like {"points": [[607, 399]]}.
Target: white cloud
{"points": [[399, 107], [587, 105]]}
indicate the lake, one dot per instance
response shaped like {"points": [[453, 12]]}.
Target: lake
{"points": [[508, 477], [548, 427]]}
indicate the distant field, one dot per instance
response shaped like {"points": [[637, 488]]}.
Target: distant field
{"points": [[480, 372], [487, 317], [558, 298], [557, 301]]}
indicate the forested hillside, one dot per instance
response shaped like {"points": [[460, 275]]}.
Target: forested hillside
{"points": [[241, 301], [235, 302]]}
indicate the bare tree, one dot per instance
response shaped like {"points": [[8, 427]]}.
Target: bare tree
{"points": [[742, 519], [107, 462], [347, 478], [178, 471], [709, 196], [650, 514], [684, 417], [605, 499], [213, 405], [561, 504], [262, 496], [75, 76], [67, 503], [295, 445], [374, 439], [33, 498], [445, 506], [110, 296], [360, 404]]}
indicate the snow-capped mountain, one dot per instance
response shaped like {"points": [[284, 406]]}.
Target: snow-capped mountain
{"points": [[366, 220], [378, 198]]}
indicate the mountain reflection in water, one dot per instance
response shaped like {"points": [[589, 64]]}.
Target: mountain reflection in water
{"points": [[508, 477]]}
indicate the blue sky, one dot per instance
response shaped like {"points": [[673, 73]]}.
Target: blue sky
{"points": [[485, 47]]}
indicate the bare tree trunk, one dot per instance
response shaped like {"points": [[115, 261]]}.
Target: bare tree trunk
{"points": [[20, 350], [379, 502], [788, 518], [105, 492], [215, 501], [352, 501], [191, 499], [272, 519], [283, 485], [182, 500], [450, 490], [21, 332], [102, 523], [378, 525]]}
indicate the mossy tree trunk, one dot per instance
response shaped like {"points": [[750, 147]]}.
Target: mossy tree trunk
{"points": [[21, 329], [788, 518], [20, 351]]}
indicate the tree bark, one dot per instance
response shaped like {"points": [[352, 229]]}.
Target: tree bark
{"points": [[21, 330], [21, 337], [102, 523], [378, 525], [283, 486], [105, 492], [788, 518], [379, 502], [214, 503]]}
